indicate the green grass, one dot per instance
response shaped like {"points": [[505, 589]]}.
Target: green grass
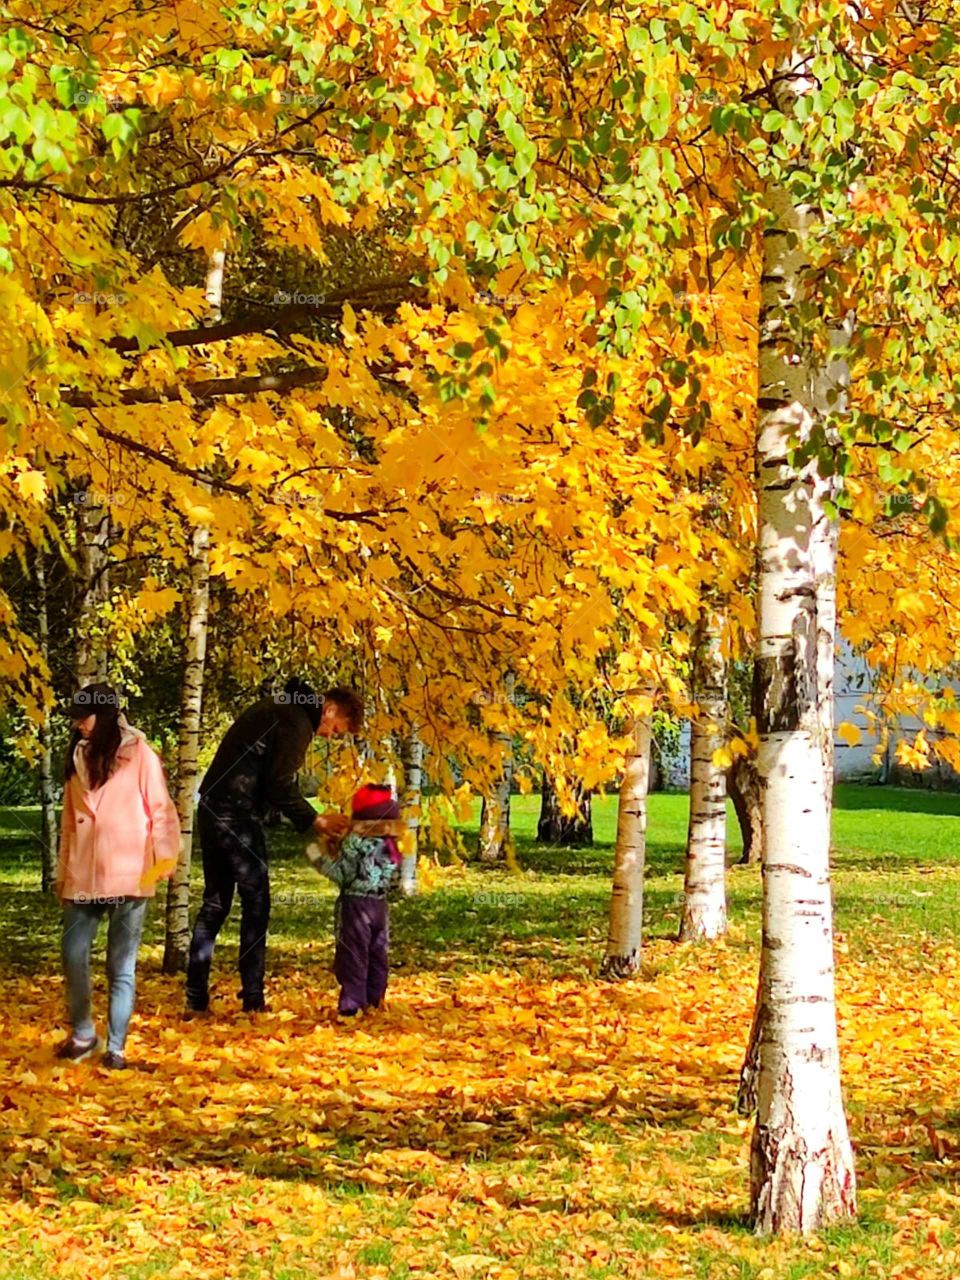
{"points": [[896, 857]]}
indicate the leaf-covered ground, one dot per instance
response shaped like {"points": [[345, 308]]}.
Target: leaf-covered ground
{"points": [[507, 1115]]}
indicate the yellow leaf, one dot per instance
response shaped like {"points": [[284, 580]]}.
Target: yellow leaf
{"points": [[850, 733], [33, 485]]}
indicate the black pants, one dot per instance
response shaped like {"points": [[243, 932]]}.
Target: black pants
{"points": [[234, 857]]}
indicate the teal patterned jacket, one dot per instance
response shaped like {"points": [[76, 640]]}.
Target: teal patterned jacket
{"points": [[363, 868]]}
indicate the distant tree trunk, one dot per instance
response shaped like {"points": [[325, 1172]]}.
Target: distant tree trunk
{"points": [[802, 1171], [411, 757], [48, 811], [572, 831], [177, 941], [93, 544], [625, 939], [494, 843], [704, 887], [196, 615], [743, 787]]}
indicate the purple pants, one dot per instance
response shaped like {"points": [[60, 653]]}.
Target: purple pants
{"points": [[360, 960]]}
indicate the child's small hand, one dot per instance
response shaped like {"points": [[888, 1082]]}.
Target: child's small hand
{"points": [[319, 851], [332, 824]]}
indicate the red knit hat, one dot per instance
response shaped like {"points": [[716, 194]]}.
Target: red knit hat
{"points": [[374, 802]]}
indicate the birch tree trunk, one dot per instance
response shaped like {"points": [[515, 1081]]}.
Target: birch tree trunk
{"points": [[625, 939], [557, 828], [494, 842], [704, 885], [49, 851], [176, 948], [802, 1173], [177, 941], [93, 539], [743, 788], [412, 760]]}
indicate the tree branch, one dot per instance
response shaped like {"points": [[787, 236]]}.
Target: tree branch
{"points": [[284, 318], [205, 389], [367, 516]]}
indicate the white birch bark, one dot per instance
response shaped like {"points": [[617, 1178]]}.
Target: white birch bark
{"points": [[412, 760], [704, 886], [494, 841], [196, 615], [625, 938], [177, 939], [802, 1173], [93, 544], [49, 845]]}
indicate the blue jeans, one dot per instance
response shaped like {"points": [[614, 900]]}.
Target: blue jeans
{"points": [[81, 920]]}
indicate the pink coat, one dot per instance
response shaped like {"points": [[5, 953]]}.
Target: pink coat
{"points": [[112, 839]]}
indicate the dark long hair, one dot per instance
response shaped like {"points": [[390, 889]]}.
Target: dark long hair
{"points": [[102, 747]]}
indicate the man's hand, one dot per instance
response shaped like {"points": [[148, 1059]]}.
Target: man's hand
{"points": [[331, 824]]}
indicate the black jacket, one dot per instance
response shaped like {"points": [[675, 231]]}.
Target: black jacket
{"points": [[256, 764]]}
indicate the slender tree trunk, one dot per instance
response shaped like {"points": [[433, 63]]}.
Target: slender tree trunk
{"points": [[177, 941], [802, 1173], [48, 811], [494, 842], [412, 760], [93, 538], [557, 828], [743, 788], [704, 886], [197, 607], [625, 939]]}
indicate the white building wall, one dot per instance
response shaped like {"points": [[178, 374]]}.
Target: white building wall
{"points": [[853, 692]]}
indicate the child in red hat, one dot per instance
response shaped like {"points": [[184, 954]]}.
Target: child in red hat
{"points": [[366, 868]]}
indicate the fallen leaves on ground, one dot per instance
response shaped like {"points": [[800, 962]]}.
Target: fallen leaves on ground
{"points": [[487, 1125]]}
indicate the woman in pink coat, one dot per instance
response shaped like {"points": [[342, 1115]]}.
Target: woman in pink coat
{"points": [[119, 835]]}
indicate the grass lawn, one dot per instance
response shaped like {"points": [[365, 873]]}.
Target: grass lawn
{"points": [[507, 1115]]}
